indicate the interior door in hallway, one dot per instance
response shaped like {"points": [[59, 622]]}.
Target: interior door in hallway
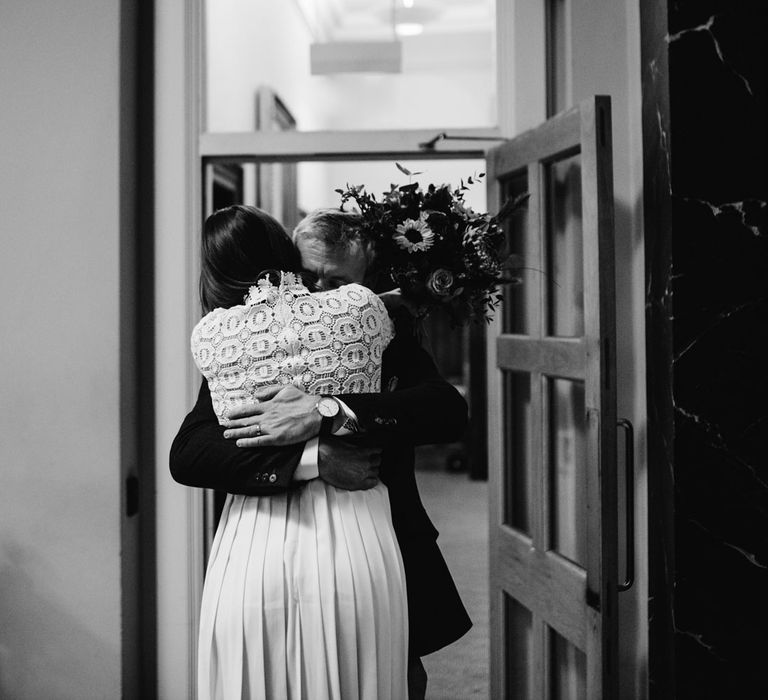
{"points": [[552, 445]]}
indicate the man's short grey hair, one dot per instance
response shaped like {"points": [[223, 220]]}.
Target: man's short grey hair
{"points": [[336, 228]]}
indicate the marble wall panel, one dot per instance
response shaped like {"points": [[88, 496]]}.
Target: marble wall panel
{"points": [[714, 304]]}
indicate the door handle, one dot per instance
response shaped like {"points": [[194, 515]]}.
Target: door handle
{"points": [[629, 466]]}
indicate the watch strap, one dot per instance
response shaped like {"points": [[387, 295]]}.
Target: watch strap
{"points": [[326, 426]]}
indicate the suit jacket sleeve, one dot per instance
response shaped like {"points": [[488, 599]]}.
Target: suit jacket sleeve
{"points": [[201, 456], [423, 408]]}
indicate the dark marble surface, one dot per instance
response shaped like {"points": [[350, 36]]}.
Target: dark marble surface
{"points": [[657, 211], [715, 296]]}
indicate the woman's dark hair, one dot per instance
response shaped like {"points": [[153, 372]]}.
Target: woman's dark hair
{"points": [[239, 243]]}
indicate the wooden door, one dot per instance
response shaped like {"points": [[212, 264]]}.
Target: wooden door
{"points": [[552, 430]]}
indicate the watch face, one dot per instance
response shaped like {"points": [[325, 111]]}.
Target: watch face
{"points": [[327, 407]]}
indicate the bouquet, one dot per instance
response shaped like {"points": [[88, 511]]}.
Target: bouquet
{"points": [[439, 251]]}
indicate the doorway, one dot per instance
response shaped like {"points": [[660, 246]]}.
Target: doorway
{"points": [[451, 477]]}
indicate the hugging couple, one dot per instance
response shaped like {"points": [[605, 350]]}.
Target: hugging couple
{"points": [[325, 580]]}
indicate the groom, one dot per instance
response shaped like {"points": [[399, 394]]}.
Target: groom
{"points": [[362, 436]]}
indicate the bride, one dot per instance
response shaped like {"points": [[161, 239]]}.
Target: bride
{"points": [[304, 594]]}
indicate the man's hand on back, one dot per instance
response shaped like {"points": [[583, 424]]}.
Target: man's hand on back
{"points": [[347, 464], [283, 416]]}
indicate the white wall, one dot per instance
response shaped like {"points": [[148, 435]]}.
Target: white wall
{"points": [[447, 80], [377, 176], [251, 43], [60, 429]]}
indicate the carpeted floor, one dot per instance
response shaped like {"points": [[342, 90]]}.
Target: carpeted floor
{"points": [[459, 508]]}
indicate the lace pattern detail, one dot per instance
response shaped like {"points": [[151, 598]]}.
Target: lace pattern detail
{"points": [[324, 343]]}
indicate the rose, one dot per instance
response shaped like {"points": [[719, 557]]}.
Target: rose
{"points": [[440, 282]]}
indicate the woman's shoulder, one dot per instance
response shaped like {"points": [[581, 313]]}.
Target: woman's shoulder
{"points": [[214, 320], [358, 293], [366, 305]]}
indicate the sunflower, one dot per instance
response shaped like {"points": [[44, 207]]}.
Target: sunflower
{"points": [[414, 235]]}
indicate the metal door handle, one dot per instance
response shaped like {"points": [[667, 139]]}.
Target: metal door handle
{"points": [[629, 466]]}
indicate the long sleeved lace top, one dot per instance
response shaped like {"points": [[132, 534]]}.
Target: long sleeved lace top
{"points": [[328, 342]]}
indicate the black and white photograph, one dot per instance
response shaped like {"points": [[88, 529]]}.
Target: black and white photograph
{"points": [[384, 350]]}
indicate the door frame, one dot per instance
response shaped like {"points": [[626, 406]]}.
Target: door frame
{"points": [[291, 146], [179, 119]]}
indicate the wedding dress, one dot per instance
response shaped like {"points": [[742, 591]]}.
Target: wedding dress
{"points": [[304, 593]]}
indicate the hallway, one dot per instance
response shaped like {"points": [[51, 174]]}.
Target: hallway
{"points": [[458, 507]]}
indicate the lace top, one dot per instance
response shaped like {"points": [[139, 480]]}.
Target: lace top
{"points": [[328, 342]]}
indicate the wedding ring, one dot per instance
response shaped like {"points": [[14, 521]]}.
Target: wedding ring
{"points": [[258, 430]]}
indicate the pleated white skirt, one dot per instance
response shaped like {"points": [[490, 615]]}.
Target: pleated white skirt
{"points": [[304, 598]]}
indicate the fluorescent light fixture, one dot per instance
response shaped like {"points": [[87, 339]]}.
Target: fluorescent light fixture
{"points": [[409, 29], [409, 19], [356, 57]]}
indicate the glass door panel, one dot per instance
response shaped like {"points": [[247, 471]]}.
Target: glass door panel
{"points": [[518, 438], [518, 625], [567, 669], [566, 431], [514, 317], [564, 247]]}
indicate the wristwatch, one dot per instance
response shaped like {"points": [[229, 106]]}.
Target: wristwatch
{"points": [[328, 408]]}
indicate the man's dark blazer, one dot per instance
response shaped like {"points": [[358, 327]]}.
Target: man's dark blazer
{"points": [[416, 406]]}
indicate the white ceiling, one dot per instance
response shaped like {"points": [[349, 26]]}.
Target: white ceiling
{"points": [[349, 20]]}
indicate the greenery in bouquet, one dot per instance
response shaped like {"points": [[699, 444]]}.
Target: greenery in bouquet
{"points": [[439, 251]]}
